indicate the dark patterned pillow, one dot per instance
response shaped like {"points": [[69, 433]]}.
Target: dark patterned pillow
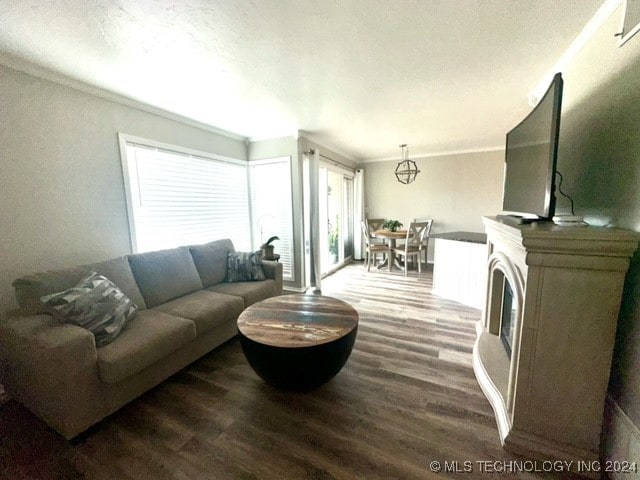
{"points": [[244, 266], [96, 304]]}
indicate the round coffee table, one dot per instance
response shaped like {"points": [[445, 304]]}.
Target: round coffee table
{"points": [[298, 342]]}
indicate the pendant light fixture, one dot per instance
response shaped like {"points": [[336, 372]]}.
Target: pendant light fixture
{"points": [[407, 170]]}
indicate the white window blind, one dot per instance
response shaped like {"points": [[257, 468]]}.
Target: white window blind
{"points": [[271, 208], [177, 198]]}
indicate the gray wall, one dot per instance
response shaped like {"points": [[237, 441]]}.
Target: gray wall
{"points": [[454, 190], [599, 157], [62, 198]]}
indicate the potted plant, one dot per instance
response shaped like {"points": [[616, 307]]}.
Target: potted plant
{"points": [[391, 225], [267, 248], [333, 245]]}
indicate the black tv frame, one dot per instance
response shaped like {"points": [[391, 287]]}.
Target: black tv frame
{"points": [[546, 214]]}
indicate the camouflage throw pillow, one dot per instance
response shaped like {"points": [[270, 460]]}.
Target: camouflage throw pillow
{"points": [[244, 266], [96, 304]]}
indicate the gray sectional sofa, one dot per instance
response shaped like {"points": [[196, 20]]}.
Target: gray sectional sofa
{"points": [[185, 309]]}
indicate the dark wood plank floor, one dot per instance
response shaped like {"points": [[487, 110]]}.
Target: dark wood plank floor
{"points": [[406, 397]]}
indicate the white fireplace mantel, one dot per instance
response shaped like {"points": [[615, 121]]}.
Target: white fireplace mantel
{"points": [[549, 396]]}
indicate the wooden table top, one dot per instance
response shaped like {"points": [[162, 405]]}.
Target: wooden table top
{"points": [[292, 321], [389, 234]]}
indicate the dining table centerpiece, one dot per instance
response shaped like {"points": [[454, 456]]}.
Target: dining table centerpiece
{"points": [[392, 225]]}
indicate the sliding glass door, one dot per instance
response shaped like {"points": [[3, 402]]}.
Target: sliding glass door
{"points": [[348, 205], [336, 217], [329, 228]]}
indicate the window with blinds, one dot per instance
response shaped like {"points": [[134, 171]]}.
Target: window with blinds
{"points": [[179, 198], [271, 207]]}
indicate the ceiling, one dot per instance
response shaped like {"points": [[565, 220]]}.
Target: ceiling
{"points": [[360, 76]]}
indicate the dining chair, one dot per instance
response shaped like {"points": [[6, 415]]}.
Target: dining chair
{"points": [[416, 242], [371, 249], [374, 224]]}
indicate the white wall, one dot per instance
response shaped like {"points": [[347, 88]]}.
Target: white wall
{"points": [[454, 190], [62, 199]]}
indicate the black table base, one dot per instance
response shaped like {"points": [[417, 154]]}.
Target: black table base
{"points": [[298, 368]]}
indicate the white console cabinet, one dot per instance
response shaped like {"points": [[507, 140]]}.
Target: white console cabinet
{"points": [[459, 267], [562, 303]]}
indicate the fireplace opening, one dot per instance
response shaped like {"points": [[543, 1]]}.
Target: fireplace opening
{"points": [[508, 317]]}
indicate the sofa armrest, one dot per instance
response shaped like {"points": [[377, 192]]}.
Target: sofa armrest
{"points": [[52, 368], [273, 270]]}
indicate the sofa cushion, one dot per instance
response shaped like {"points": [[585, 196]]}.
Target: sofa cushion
{"points": [[251, 292], [119, 272], [244, 266], [165, 274], [96, 304], [211, 260], [30, 288], [206, 309], [147, 338]]}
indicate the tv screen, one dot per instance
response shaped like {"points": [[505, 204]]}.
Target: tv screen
{"points": [[530, 159]]}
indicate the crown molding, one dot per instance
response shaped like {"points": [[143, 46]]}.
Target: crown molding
{"points": [[589, 30], [16, 63], [320, 143], [445, 153]]}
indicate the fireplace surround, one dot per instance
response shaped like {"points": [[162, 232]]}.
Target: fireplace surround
{"points": [[558, 290]]}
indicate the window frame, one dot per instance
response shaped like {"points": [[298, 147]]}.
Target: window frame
{"points": [[266, 161], [124, 139]]}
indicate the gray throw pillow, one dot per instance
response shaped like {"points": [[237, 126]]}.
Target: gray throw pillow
{"points": [[244, 266], [96, 304]]}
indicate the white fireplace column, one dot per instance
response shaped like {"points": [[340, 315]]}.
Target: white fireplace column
{"points": [[548, 395]]}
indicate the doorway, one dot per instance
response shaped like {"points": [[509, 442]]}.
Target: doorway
{"points": [[328, 225], [336, 207]]}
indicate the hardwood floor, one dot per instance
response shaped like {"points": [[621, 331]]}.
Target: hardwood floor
{"points": [[406, 397]]}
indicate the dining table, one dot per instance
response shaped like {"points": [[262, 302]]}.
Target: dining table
{"points": [[390, 237]]}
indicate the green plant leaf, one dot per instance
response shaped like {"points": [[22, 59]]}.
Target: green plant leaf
{"points": [[271, 239], [392, 225]]}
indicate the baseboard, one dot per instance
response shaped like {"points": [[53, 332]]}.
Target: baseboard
{"points": [[621, 438]]}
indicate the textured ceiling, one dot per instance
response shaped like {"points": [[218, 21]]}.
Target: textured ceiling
{"points": [[361, 76]]}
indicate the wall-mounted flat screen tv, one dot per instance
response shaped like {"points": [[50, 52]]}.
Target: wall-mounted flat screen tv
{"points": [[530, 160]]}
